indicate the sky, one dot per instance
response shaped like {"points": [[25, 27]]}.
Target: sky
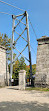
{"points": [[38, 11]]}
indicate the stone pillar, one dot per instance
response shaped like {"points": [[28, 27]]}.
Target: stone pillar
{"points": [[42, 63], [22, 74], [3, 74]]}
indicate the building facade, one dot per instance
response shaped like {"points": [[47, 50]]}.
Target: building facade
{"points": [[42, 63]]}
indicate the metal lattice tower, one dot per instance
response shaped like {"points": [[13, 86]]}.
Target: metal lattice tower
{"points": [[25, 14]]}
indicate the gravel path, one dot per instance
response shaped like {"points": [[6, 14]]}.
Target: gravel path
{"points": [[12, 99]]}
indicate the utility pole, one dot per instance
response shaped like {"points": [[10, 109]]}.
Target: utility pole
{"points": [[28, 38]]}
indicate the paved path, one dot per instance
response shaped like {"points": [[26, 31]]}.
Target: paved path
{"points": [[12, 99]]}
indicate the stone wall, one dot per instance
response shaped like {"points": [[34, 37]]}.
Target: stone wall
{"points": [[42, 64], [2, 66]]}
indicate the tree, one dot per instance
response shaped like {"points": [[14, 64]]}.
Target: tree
{"points": [[6, 41], [22, 64], [19, 65], [15, 70], [33, 70], [1, 38]]}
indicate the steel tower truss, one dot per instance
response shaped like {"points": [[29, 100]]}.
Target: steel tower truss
{"points": [[25, 14]]}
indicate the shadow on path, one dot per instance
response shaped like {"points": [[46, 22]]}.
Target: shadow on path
{"points": [[25, 106]]}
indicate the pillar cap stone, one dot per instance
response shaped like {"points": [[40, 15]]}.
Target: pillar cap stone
{"points": [[2, 47], [22, 71], [43, 38]]}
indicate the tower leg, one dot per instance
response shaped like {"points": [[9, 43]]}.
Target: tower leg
{"points": [[28, 39]]}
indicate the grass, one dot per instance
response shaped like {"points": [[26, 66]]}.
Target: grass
{"points": [[2, 86], [37, 89], [34, 88]]}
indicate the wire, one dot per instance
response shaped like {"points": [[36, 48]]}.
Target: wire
{"points": [[33, 50], [32, 27], [6, 13], [11, 5]]}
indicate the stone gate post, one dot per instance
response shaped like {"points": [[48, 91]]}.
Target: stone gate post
{"points": [[22, 74], [4, 76]]}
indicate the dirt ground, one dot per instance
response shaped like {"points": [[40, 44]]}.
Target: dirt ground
{"points": [[12, 99]]}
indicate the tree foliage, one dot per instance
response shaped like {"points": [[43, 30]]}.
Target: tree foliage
{"points": [[22, 64], [19, 65], [6, 42], [33, 70]]}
